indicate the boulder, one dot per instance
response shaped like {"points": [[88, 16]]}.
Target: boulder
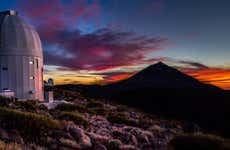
{"points": [[99, 147], [69, 143], [125, 137], [128, 147], [79, 135], [96, 138]]}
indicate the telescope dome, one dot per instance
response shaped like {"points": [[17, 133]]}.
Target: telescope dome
{"points": [[17, 37], [21, 58]]}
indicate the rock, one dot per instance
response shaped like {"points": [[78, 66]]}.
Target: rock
{"points": [[125, 137], [80, 136], [142, 136], [96, 138], [157, 129], [128, 147], [99, 147], [3, 134], [134, 140], [69, 143], [99, 121]]}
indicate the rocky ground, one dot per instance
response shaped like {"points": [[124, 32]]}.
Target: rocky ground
{"points": [[83, 124]]}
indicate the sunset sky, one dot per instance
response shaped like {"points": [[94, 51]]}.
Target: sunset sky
{"points": [[101, 41]]}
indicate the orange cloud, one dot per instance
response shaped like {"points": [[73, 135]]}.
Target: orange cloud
{"points": [[216, 76], [118, 77]]}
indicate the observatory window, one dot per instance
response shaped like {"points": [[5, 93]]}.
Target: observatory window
{"points": [[31, 62], [4, 68], [37, 63], [32, 77]]}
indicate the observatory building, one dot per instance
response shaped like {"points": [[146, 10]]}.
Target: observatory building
{"points": [[21, 58]]}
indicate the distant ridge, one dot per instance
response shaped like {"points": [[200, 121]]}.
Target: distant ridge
{"points": [[160, 75]]}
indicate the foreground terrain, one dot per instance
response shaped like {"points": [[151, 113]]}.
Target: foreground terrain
{"points": [[92, 124]]}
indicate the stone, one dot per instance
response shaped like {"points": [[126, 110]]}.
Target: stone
{"points": [[80, 137], [96, 138], [128, 147], [99, 147], [69, 143]]}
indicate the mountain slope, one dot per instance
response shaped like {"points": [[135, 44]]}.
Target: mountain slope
{"points": [[159, 76], [165, 91]]}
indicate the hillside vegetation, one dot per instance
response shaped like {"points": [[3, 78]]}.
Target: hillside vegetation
{"points": [[94, 124]]}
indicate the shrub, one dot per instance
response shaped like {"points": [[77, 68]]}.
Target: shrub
{"points": [[9, 146], [120, 118], [4, 101], [15, 146], [69, 143], [98, 111], [73, 116], [114, 144], [28, 105], [42, 107], [70, 107], [31, 126], [93, 104], [198, 141]]}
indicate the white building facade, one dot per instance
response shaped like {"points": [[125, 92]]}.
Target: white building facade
{"points": [[21, 58]]}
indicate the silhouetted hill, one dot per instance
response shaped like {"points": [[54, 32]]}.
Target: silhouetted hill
{"points": [[165, 91], [159, 76]]}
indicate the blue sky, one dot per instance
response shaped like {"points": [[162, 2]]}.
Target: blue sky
{"points": [[190, 30]]}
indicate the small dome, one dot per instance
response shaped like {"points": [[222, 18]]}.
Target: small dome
{"points": [[17, 37]]}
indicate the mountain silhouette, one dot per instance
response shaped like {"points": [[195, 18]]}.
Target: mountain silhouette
{"points": [[159, 75], [165, 91]]}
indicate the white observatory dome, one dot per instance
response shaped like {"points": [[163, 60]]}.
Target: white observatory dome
{"points": [[21, 57], [17, 37]]}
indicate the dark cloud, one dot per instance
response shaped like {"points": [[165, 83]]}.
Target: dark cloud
{"points": [[196, 65], [101, 50], [70, 49]]}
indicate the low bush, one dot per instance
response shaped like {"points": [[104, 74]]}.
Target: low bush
{"points": [[30, 125], [199, 141], [98, 111], [114, 144], [120, 118], [70, 107], [15, 146], [5, 101], [28, 105], [9, 146], [93, 104], [73, 116]]}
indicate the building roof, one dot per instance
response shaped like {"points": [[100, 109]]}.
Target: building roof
{"points": [[17, 37]]}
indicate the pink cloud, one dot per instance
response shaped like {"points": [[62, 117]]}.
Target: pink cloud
{"points": [[103, 49]]}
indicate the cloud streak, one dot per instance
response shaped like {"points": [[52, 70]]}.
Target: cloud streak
{"points": [[67, 47], [101, 50]]}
